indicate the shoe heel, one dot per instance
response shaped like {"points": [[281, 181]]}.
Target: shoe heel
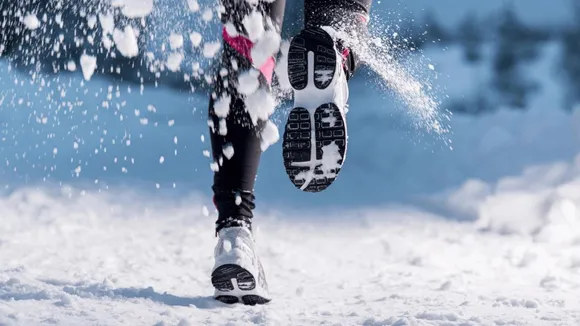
{"points": [[235, 284], [314, 147], [222, 278]]}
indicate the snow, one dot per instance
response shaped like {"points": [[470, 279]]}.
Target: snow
{"points": [[330, 158], [331, 119], [107, 23], [411, 90], [231, 29], [266, 47], [134, 8], [124, 258], [222, 106], [207, 15], [193, 5], [71, 66], [91, 21], [88, 65], [195, 38], [174, 61], [248, 82], [176, 41], [253, 23], [269, 135], [126, 42], [222, 127], [542, 203], [58, 19], [31, 21], [228, 151], [260, 105], [210, 49]]}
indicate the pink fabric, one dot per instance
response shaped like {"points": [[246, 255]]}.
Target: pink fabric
{"points": [[267, 69], [345, 53], [239, 43], [244, 47]]}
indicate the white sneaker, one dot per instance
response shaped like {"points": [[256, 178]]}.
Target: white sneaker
{"points": [[315, 136], [238, 275]]}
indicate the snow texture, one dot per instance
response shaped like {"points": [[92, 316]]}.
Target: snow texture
{"points": [[71, 66], [210, 49], [134, 8], [147, 261], [107, 23], [88, 65], [175, 41], [253, 23], [248, 82], [195, 38], [266, 47], [331, 119], [91, 21], [231, 29], [269, 135], [260, 105], [222, 127], [222, 106], [174, 61], [207, 15], [31, 21], [193, 5], [228, 151], [126, 41], [330, 158]]}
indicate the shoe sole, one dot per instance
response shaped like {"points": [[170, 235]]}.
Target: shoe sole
{"points": [[235, 284], [316, 130]]}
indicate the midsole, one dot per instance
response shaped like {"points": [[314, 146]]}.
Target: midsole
{"points": [[239, 293], [233, 273]]}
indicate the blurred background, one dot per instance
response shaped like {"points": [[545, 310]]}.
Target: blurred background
{"points": [[507, 73]]}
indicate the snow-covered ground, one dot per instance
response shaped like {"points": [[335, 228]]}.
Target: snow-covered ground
{"points": [[119, 258], [107, 218]]}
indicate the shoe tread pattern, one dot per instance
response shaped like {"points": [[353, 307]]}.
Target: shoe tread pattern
{"points": [[318, 42], [222, 278], [329, 127]]}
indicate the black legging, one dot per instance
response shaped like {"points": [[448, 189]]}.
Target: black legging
{"points": [[234, 180]]}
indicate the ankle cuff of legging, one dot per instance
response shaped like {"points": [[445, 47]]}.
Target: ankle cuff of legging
{"points": [[234, 207]]}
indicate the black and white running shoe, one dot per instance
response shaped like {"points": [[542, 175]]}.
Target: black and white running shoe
{"points": [[238, 276], [315, 137]]}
